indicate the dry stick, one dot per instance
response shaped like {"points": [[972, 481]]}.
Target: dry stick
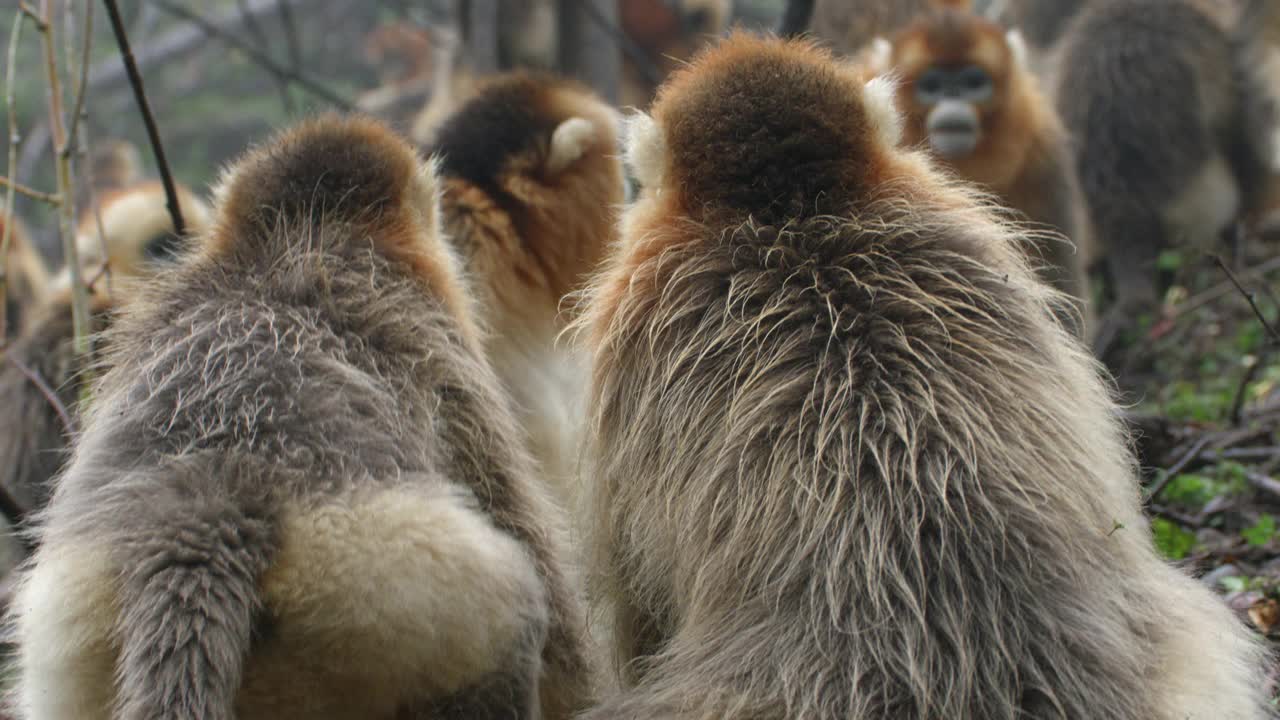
{"points": [[82, 88], [5, 241], [649, 72], [1248, 295], [1250, 374], [1177, 467], [260, 35], [66, 213], [1273, 339], [254, 54], [51, 198], [153, 133]]}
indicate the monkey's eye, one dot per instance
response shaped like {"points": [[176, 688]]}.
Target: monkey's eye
{"points": [[163, 247], [974, 83], [929, 86]]}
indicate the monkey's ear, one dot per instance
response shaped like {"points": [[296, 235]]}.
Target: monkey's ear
{"points": [[1017, 48], [878, 56], [426, 195], [569, 142], [646, 149], [879, 97]]}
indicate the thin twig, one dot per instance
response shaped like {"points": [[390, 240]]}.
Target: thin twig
{"points": [[648, 70], [66, 209], [7, 221], [1249, 295], [1265, 483], [795, 18], [299, 79], [5, 182], [153, 133], [1224, 287], [1178, 466], [251, 24], [14, 37], [82, 88], [33, 376], [1250, 374]]}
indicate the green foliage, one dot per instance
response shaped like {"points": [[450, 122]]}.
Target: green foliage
{"points": [[1234, 584], [1193, 490], [1171, 540], [1262, 531], [1185, 401], [1170, 261]]}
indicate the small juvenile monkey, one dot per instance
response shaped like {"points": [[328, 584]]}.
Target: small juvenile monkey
{"points": [[532, 179], [847, 463], [969, 96], [26, 276], [297, 493], [1155, 97]]}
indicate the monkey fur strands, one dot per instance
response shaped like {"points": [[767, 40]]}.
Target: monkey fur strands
{"points": [[298, 447], [847, 464]]}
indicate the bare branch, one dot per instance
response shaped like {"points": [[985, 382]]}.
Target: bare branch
{"points": [[51, 198], [82, 87], [66, 210], [644, 63], [153, 133], [297, 78], [9, 88], [1272, 334]]}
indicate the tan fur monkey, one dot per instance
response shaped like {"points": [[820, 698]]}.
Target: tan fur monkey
{"points": [[847, 464], [532, 182], [298, 492], [968, 96]]}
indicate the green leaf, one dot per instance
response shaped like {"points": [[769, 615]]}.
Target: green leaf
{"points": [[1261, 532], [1169, 261], [1171, 540], [1234, 583]]}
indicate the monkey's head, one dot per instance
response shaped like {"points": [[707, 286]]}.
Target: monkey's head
{"points": [[957, 71], [542, 153], [334, 185], [137, 230], [775, 130]]}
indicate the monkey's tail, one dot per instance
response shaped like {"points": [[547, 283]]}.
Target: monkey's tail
{"points": [[188, 597]]}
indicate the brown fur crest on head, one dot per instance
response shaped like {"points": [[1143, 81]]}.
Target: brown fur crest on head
{"points": [[727, 147], [337, 171]]}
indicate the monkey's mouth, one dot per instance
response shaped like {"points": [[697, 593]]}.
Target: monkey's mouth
{"points": [[953, 141]]}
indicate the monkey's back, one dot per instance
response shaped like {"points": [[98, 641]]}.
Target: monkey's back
{"points": [[874, 480], [291, 439]]}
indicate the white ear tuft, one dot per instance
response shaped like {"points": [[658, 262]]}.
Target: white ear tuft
{"points": [[427, 191], [879, 55], [569, 142], [646, 149], [880, 97], [1018, 48]]}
